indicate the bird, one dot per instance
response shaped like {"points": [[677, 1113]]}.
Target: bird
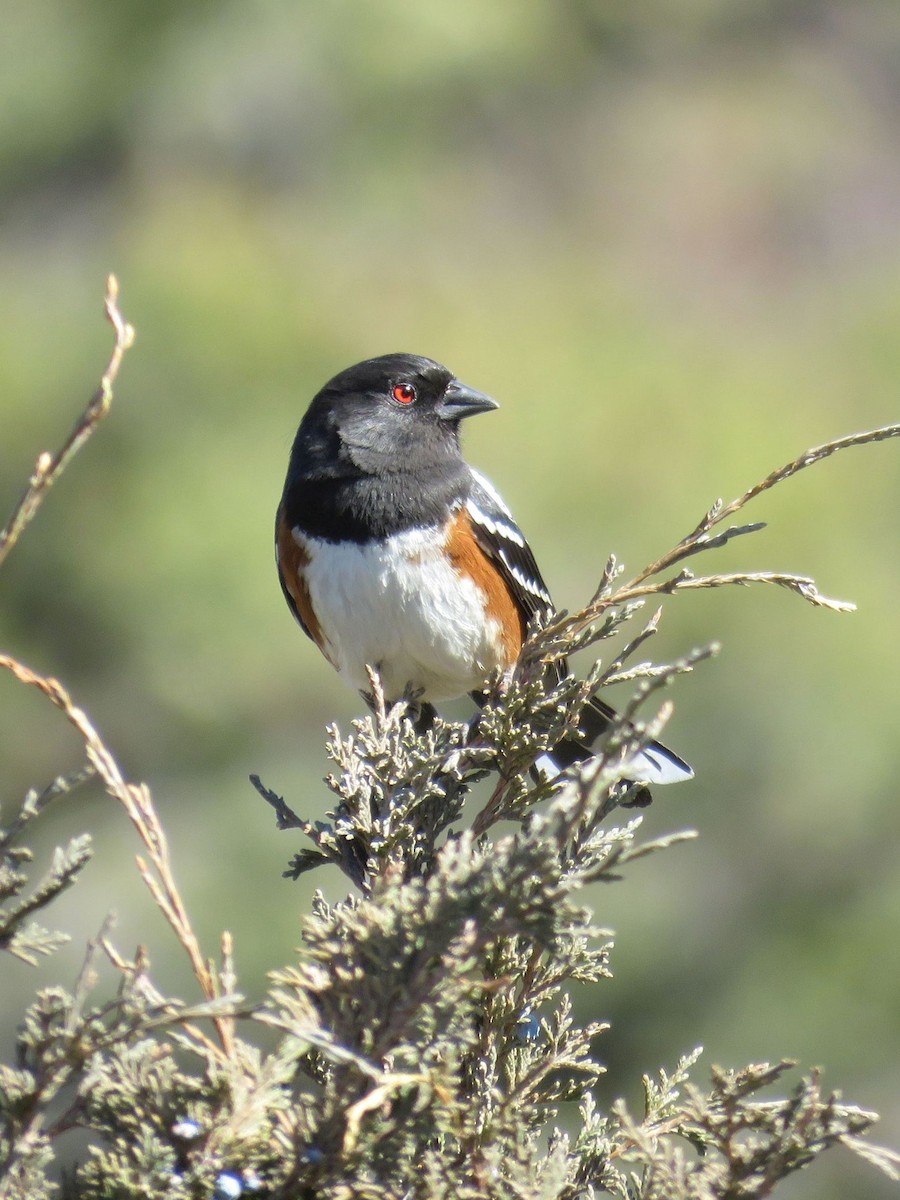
{"points": [[393, 553]]}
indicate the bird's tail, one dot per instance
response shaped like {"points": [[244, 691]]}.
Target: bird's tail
{"points": [[655, 763]]}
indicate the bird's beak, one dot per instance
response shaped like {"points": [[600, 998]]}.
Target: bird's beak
{"points": [[460, 401]]}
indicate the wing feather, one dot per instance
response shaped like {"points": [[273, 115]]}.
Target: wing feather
{"points": [[503, 541]]}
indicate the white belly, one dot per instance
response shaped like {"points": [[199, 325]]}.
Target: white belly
{"points": [[403, 609]]}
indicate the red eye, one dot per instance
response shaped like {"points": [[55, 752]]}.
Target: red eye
{"points": [[403, 393]]}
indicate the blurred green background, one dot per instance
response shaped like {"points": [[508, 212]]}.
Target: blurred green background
{"points": [[667, 238]]}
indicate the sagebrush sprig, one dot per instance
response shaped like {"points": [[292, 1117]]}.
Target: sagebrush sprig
{"points": [[31, 941]]}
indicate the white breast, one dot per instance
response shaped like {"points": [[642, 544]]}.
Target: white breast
{"points": [[403, 609]]}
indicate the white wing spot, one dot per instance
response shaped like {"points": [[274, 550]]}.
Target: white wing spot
{"points": [[500, 528], [527, 582], [492, 492]]}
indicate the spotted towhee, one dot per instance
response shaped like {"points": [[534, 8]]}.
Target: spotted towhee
{"points": [[394, 553]]}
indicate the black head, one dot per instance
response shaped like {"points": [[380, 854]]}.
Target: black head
{"points": [[396, 413]]}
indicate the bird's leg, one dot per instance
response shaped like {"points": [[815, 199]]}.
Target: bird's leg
{"points": [[423, 716]]}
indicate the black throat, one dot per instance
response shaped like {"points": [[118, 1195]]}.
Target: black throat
{"points": [[361, 507]]}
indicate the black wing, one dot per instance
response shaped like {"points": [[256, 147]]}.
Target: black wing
{"points": [[502, 540]]}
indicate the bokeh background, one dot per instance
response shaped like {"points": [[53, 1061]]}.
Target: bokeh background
{"points": [[667, 238]]}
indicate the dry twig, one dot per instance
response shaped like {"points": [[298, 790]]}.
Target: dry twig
{"points": [[136, 800], [645, 584], [49, 467]]}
